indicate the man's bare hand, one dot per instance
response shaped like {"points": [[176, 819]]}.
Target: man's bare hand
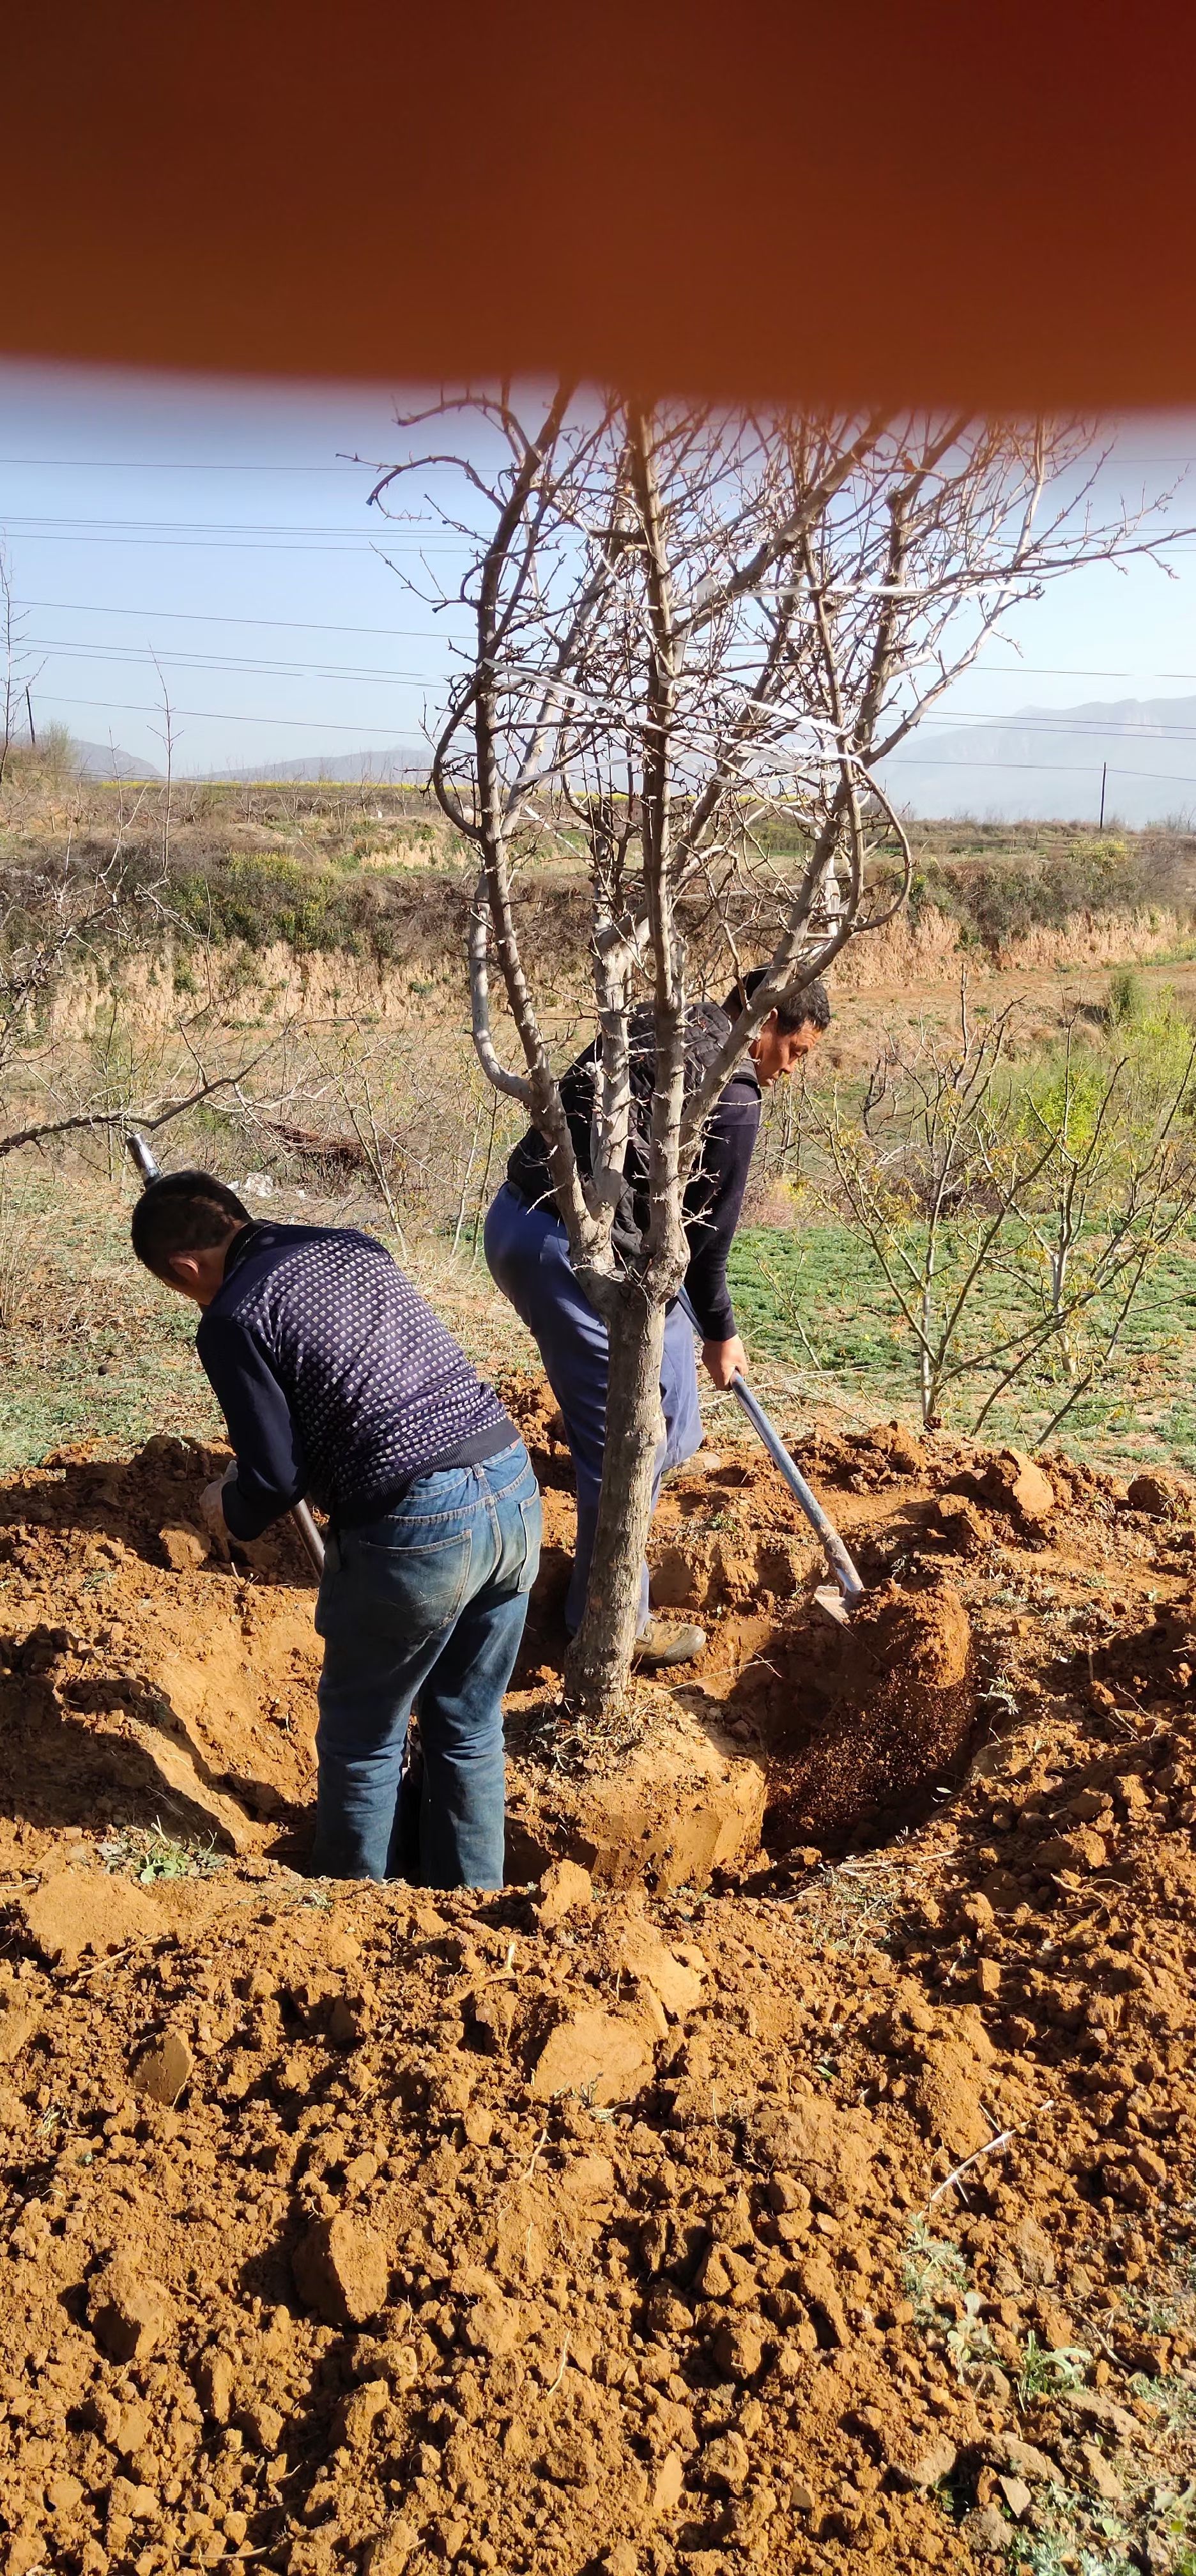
{"points": [[721, 1360]]}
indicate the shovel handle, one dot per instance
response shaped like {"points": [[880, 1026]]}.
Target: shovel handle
{"points": [[300, 1517], [845, 1572]]}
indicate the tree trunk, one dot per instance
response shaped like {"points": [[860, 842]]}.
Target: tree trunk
{"points": [[599, 1659]]}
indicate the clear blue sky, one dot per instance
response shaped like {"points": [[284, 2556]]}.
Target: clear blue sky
{"points": [[211, 524]]}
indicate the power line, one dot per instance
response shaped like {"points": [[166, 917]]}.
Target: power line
{"points": [[979, 722], [1033, 722], [307, 625], [226, 538], [179, 660], [215, 527], [179, 465], [1063, 769], [307, 724], [219, 715], [236, 465], [415, 634]]}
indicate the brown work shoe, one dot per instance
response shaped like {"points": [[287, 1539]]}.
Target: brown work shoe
{"points": [[667, 1641]]}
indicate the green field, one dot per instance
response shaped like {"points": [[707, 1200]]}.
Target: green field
{"points": [[92, 1349], [816, 1301]]}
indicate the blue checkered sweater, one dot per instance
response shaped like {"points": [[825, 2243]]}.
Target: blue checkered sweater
{"points": [[335, 1379]]}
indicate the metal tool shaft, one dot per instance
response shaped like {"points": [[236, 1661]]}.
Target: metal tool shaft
{"points": [[301, 1520], [845, 1573]]}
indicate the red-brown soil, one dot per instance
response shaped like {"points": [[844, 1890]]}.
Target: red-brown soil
{"points": [[599, 2227]]}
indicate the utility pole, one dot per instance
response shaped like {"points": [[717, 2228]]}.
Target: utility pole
{"points": [[29, 713], [1104, 772]]}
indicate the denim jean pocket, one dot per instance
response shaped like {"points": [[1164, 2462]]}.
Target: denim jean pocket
{"points": [[423, 1582]]}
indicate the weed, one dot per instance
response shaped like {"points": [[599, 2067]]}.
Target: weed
{"points": [[1000, 1692], [850, 1908], [1044, 2372], [934, 2272], [1127, 998], [969, 2342], [1172, 2398], [1056, 2553], [147, 1853]]}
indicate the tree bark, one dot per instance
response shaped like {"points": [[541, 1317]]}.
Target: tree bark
{"points": [[600, 1657]]}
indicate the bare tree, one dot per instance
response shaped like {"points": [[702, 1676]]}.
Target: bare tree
{"points": [[695, 635], [1014, 1218], [52, 921], [928, 1172], [1112, 1186]]}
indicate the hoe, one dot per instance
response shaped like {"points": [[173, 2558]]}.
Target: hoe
{"points": [[838, 1605]]}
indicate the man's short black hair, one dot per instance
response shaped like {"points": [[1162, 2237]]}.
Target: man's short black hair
{"points": [[806, 1006], [183, 1212]]}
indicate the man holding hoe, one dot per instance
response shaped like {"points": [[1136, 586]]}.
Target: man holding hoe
{"points": [[528, 1256], [337, 1380]]}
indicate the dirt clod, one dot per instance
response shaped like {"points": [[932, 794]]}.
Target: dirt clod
{"points": [[73, 1912], [341, 2270], [164, 2071], [130, 2313], [565, 1889], [599, 2054]]}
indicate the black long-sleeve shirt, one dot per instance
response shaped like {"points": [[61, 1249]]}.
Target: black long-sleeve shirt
{"points": [[335, 1378], [714, 1196]]}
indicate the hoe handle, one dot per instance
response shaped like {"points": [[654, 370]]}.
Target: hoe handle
{"points": [[301, 1520], [845, 1573]]}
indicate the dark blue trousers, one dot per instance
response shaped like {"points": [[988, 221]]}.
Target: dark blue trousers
{"points": [[429, 1601], [527, 1253]]}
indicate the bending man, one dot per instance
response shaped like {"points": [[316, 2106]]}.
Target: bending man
{"points": [[335, 1379], [528, 1255]]}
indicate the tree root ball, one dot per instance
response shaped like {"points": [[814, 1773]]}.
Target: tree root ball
{"points": [[894, 1721]]}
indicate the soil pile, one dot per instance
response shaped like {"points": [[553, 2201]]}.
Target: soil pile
{"points": [[356, 2229], [889, 1714], [139, 1676], [592, 2228]]}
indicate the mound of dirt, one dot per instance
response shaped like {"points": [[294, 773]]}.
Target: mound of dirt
{"points": [[669, 1801], [596, 2233], [595, 2230], [1159, 1658], [859, 1734], [142, 1679]]}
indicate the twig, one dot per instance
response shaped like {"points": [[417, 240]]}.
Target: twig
{"points": [[551, 2392], [541, 2142], [1003, 2139]]}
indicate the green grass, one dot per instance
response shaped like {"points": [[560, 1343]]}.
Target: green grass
{"points": [[814, 1299], [97, 1351]]}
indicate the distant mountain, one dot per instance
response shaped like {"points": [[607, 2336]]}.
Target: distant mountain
{"points": [[94, 759], [107, 760], [1045, 762], [1037, 763], [382, 768]]}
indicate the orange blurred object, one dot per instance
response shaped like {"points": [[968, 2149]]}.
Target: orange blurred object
{"points": [[929, 202]]}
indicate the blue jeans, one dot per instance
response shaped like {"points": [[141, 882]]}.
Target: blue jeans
{"points": [[527, 1253], [431, 1601]]}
